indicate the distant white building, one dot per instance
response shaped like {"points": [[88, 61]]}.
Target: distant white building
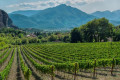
{"points": [[110, 39], [31, 35]]}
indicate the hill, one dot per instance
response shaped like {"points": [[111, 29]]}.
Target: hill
{"points": [[5, 21], [26, 12], [22, 21], [59, 17], [113, 16]]}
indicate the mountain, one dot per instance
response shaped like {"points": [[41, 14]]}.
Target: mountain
{"points": [[5, 21], [113, 16], [59, 17], [23, 21], [100, 14], [26, 12]]}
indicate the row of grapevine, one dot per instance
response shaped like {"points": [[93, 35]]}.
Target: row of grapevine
{"points": [[5, 51], [4, 73], [84, 51], [26, 71], [46, 69], [4, 47], [5, 57], [84, 64], [58, 66], [45, 56], [57, 58], [53, 55]]}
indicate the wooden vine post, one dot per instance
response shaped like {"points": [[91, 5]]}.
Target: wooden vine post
{"points": [[52, 75], [6, 78], [75, 71], [112, 66], [94, 68]]}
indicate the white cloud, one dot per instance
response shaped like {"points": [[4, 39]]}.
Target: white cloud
{"points": [[42, 4]]}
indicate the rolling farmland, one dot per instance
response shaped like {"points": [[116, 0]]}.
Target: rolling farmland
{"points": [[61, 61]]}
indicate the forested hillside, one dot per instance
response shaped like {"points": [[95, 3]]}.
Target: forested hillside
{"points": [[61, 17]]}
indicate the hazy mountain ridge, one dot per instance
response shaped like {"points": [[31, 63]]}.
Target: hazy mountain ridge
{"points": [[22, 21], [26, 12], [113, 16], [58, 17]]}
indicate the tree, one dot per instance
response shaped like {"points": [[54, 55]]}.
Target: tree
{"points": [[105, 29], [44, 40], [18, 42], [95, 30], [40, 36], [76, 35], [20, 35], [33, 40], [52, 38], [116, 35], [66, 38], [25, 41]]}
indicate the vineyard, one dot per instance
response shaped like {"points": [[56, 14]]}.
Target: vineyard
{"points": [[61, 61]]}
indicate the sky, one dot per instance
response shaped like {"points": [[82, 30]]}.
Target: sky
{"points": [[88, 6]]}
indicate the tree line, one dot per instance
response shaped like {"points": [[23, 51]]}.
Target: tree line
{"points": [[97, 30]]}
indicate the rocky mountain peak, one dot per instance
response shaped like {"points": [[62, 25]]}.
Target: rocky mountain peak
{"points": [[5, 21]]}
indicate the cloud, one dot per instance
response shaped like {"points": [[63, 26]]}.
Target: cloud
{"points": [[42, 4]]}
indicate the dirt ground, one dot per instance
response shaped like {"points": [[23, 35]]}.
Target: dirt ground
{"points": [[15, 72], [101, 74]]}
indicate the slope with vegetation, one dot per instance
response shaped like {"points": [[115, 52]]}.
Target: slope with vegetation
{"points": [[61, 17], [112, 16]]}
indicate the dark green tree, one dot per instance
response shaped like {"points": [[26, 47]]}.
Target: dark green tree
{"points": [[52, 38], [94, 31], [76, 35], [66, 38], [116, 35]]}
